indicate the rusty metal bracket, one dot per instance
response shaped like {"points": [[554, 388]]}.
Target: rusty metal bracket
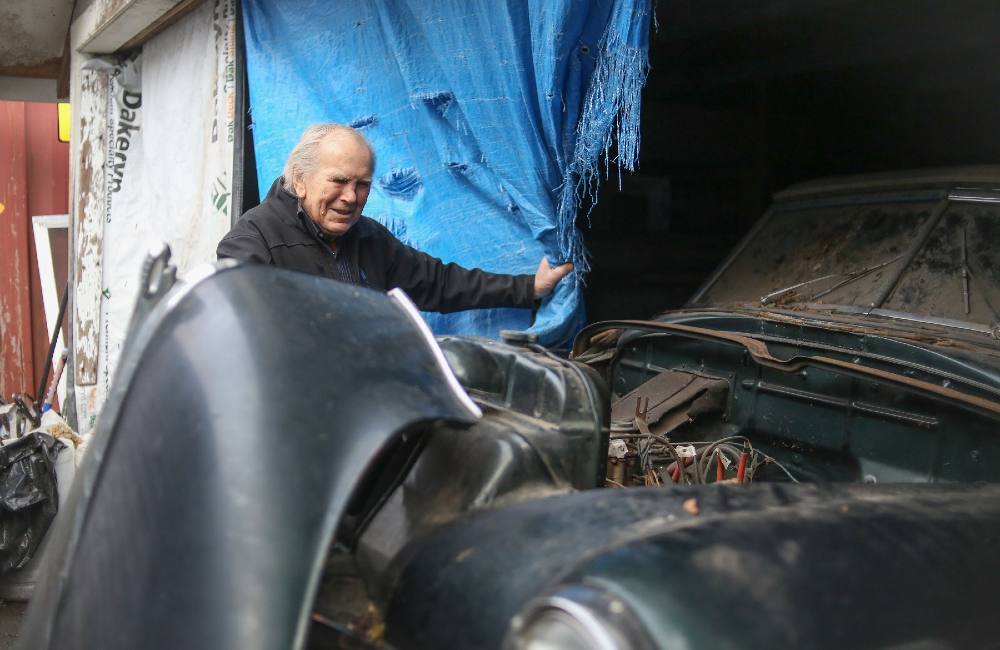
{"points": [[760, 353]]}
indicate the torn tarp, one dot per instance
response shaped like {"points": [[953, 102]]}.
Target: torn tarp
{"points": [[488, 119]]}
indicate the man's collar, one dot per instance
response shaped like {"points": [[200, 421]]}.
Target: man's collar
{"points": [[311, 225]]}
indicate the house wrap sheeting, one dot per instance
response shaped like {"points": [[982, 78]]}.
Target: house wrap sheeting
{"points": [[488, 118], [168, 169]]}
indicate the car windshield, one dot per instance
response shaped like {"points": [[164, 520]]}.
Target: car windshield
{"points": [[956, 274], [853, 254]]}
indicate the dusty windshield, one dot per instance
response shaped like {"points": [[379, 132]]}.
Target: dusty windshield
{"points": [[851, 255], [956, 274]]}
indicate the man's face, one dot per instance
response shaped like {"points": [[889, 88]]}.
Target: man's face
{"points": [[334, 194]]}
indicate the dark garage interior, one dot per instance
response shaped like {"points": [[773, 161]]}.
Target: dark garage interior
{"points": [[746, 98]]}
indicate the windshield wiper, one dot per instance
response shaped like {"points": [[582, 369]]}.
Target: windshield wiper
{"points": [[848, 278], [965, 275], [967, 278]]}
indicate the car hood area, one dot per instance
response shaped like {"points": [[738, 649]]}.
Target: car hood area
{"points": [[714, 478], [248, 406], [770, 566]]}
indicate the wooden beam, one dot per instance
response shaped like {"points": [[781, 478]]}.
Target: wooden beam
{"points": [[62, 81], [88, 221], [88, 145], [166, 20]]}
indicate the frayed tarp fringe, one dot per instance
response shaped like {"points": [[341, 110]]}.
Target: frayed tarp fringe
{"points": [[492, 118], [610, 118]]}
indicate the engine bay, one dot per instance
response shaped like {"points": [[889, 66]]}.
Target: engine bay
{"points": [[776, 401], [653, 441]]}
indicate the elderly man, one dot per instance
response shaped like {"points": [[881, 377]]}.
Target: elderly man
{"points": [[311, 222]]}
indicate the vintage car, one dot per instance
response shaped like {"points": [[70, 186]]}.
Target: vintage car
{"points": [[803, 456]]}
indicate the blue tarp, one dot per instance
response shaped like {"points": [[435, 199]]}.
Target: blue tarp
{"points": [[488, 118]]}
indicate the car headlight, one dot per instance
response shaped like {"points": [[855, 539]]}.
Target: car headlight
{"points": [[578, 617]]}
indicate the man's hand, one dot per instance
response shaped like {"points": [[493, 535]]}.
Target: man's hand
{"points": [[547, 277]]}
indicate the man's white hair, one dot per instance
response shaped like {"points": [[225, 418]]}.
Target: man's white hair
{"points": [[304, 156]]}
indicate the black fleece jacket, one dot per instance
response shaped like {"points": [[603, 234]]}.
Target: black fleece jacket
{"points": [[277, 232]]}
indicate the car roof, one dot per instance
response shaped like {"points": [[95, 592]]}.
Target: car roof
{"points": [[982, 177]]}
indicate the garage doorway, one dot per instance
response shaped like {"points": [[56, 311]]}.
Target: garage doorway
{"points": [[744, 99]]}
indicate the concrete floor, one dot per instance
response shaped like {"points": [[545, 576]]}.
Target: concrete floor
{"points": [[11, 614]]}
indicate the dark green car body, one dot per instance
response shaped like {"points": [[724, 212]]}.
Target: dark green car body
{"points": [[858, 289], [361, 484]]}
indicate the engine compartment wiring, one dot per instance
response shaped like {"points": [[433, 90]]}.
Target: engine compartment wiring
{"points": [[658, 460]]}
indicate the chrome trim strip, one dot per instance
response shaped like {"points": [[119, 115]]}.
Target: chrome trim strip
{"points": [[581, 614], [877, 410], [600, 614], [929, 320], [837, 199], [413, 313], [972, 196]]}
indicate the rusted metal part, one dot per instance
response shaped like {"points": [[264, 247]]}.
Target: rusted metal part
{"points": [[616, 472], [870, 330], [671, 399], [88, 222], [648, 414], [667, 390], [602, 348], [829, 323], [760, 353]]}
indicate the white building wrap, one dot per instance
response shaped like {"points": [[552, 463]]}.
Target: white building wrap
{"points": [[169, 167]]}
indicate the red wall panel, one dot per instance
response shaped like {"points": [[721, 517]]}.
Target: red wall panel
{"points": [[48, 193], [34, 180], [48, 161], [16, 366]]}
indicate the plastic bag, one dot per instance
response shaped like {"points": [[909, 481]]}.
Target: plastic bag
{"points": [[28, 497]]}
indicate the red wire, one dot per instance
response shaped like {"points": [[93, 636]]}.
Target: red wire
{"points": [[741, 470], [720, 470]]}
